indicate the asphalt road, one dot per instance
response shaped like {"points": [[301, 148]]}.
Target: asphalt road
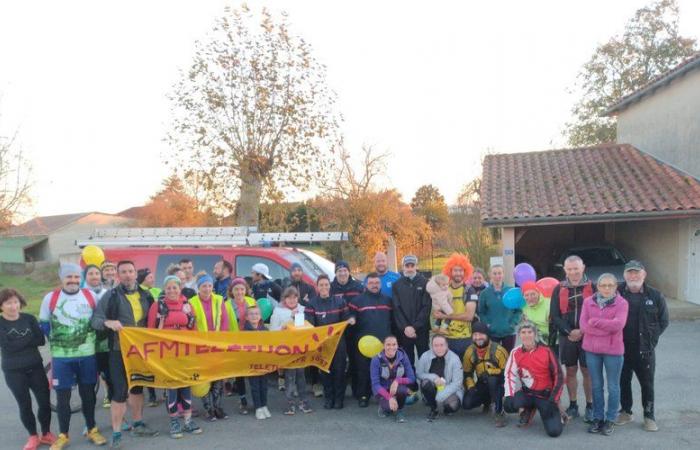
{"points": [[677, 400]]}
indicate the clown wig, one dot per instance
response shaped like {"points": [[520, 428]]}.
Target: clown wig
{"points": [[458, 259]]}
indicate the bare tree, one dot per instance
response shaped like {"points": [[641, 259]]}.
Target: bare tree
{"points": [[349, 182], [15, 183]]}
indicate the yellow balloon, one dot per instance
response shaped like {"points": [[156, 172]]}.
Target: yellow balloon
{"points": [[370, 346], [93, 254], [200, 390]]}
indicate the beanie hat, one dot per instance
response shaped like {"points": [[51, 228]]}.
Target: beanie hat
{"points": [[237, 281], [529, 286], [68, 269], [141, 275], [341, 264], [206, 278], [170, 278], [295, 266], [480, 327]]}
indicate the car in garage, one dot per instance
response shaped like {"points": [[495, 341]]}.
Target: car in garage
{"points": [[599, 259]]}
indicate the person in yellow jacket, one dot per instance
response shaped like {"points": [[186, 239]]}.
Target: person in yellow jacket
{"points": [[211, 314]]}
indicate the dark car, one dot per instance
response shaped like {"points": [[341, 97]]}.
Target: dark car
{"points": [[599, 259]]}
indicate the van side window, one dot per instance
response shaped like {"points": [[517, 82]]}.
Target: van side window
{"points": [[244, 266], [200, 262]]}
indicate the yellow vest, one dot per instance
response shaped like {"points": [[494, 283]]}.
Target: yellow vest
{"points": [[201, 317]]}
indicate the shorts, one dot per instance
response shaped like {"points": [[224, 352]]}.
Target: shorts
{"points": [[65, 372], [571, 354], [117, 374]]}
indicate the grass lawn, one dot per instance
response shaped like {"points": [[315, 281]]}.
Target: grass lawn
{"points": [[33, 286]]}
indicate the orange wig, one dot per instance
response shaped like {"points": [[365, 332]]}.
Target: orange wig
{"points": [[458, 259]]}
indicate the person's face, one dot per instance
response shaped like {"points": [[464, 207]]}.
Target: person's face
{"points": [[71, 283], [127, 275], [442, 283], [380, 262], [93, 277], [480, 339], [532, 297], [256, 277], [527, 337], [292, 301], [217, 269], [324, 287], [409, 269], [374, 285], [11, 307], [607, 287], [390, 347], [188, 268], [150, 280], [478, 279], [238, 292], [172, 290], [440, 347], [109, 273], [297, 274], [635, 278], [574, 271], [205, 290], [253, 316], [457, 274], [343, 275], [496, 276], [181, 275]]}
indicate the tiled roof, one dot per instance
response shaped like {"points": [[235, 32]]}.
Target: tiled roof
{"points": [[662, 80], [607, 182]]}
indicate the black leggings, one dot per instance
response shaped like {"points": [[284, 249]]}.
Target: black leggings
{"points": [[87, 397], [20, 382]]}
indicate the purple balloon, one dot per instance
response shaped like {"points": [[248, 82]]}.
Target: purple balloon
{"points": [[523, 273]]}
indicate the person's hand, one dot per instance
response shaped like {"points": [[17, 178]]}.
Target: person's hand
{"points": [[351, 321], [575, 335], [439, 315], [393, 388], [440, 381], [113, 325], [187, 308], [393, 404], [410, 332], [441, 331]]}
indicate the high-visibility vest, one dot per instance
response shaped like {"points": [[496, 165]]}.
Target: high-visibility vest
{"points": [[201, 317]]}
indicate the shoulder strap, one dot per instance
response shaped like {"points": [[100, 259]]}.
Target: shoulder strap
{"points": [[90, 298], [563, 298], [54, 299], [492, 354]]}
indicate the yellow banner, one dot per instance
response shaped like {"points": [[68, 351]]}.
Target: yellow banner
{"points": [[175, 358]]}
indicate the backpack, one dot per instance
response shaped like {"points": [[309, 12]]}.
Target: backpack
{"points": [[57, 293], [493, 347]]}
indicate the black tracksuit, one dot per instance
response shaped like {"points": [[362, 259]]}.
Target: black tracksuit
{"points": [[349, 291], [306, 291], [646, 321], [411, 305], [372, 314], [326, 311]]}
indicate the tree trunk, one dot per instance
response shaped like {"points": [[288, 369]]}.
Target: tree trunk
{"points": [[248, 208]]}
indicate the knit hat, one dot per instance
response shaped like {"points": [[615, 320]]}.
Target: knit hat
{"points": [[480, 327], [529, 286], [170, 278], [341, 264], [68, 269], [237, 281], [295, 266], [206, 278], [141, 275]]}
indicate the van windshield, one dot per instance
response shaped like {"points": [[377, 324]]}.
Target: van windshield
{"points": [[312, 263]]}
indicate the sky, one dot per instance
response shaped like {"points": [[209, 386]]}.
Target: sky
{"points": [[436, 84]]}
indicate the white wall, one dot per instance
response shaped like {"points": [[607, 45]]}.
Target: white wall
{"points": [[666, 124], [62, 242]]}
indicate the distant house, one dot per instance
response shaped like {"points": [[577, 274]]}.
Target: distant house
{"points": [[50, 237]]}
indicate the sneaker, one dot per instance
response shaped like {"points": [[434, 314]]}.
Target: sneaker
{"points": [[280, 384], [210, 416], [243, 407], [588, 415], [267, 412], [526, 417], [143, 430], [650, 424], [318, 390], [572, 412], [47, 438], [328, 404], [260, 414], [499, 419], [61, 441], [175, 429], [364, 402], [595, 426], [607, 428], [291, 410], [32, 443], [624, 418], [304, 407], [219, 413], [381, 413], [106, 404], [153, 403], [191, 427], [432, 415], [94, 436], [400, 417], [126, 426], [411, 399], [116, 441]]}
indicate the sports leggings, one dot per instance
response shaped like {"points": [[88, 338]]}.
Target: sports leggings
{"points": [[182, 396], [87, 397], [20, 382]]}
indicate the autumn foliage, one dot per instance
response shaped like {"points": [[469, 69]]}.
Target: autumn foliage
{"points": [[172, 206]]}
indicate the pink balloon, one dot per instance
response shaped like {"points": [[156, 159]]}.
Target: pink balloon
{"points": [[546, 286]]}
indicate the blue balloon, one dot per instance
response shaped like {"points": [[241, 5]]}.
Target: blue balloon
{"points": [[513, 299]]}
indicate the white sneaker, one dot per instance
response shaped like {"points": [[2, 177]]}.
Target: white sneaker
{"points": [[267, 412], [260, 414]]}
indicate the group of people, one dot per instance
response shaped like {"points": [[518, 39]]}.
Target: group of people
{"points": [[449, 340]]}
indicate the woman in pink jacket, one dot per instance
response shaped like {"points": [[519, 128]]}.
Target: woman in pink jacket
{"points": [[603, 316]]}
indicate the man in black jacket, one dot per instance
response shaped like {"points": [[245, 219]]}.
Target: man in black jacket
{"points": [[411, 306], [306, 291], [646, 320]]}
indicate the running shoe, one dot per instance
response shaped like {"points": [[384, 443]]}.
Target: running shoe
{"points": [[304, 407], [32, 443], [381, 413], [94, 436], [624, 418], [572, 412], [116, 441], [526, 417], [595, 426], [175, 428], [291, 410], [106, 404], [607, 428], [432, 415], [62, 441], [317, 390], [47, 438], [267, 412], [650, 424], [143, 430], [191, 427], [280, 384], [588, 415], [260, 414], [219, 413], [400, 417]]}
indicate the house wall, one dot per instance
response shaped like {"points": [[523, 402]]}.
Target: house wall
{"points": [[62, 241], [666, 125]]}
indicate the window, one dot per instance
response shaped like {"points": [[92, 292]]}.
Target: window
{"points": [[200, 262], [244, 266]]}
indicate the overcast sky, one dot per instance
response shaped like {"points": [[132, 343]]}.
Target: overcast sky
{"points": [[434, 83]]}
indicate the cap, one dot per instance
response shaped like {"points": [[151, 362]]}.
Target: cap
{"points": [[634, 265], [410, 259], [262, 269]]}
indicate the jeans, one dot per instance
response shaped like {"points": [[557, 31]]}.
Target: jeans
{"points": [[294, 377], [641, 365], [612, 364], [258, 390]]}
